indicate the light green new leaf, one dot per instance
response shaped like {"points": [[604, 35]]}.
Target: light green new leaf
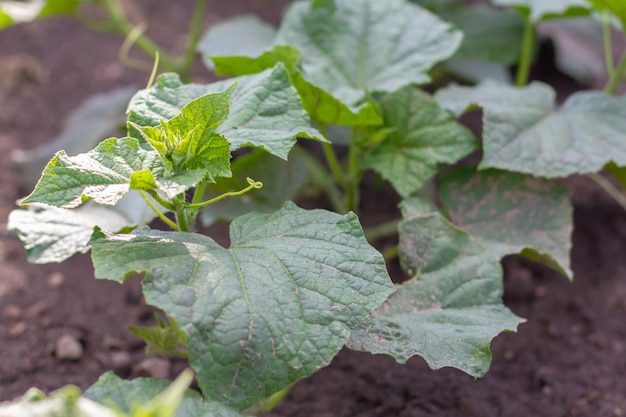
{"points": [[65, 402], [5, 19], [422, 136], [353, 47], [524, 132], [450, 310], [126, 395], [537, 10], [511, 213], [281, 182], [272, 309], [54, 7], [265, 110], [52, 234]]}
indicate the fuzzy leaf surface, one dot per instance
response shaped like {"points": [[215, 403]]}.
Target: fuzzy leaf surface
{"points": [[265, 109], [450, 310], [537, 10], [125, 395], [353, 47], [509, 213], [272, 309], [422, 136], [523, 131]]}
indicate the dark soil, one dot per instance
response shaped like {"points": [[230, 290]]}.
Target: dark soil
{"points": [[569, 359]]}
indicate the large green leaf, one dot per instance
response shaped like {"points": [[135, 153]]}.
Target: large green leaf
{"points": [[265, 110], [52, 234], [618, 7], [422, 136], [272, 309], [353, 47], [510, 213], [450, 310], [537, 10], [524, 132], [126, 395]]}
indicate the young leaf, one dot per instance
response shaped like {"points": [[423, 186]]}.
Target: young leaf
{"points": [[265, 110], [524, 132], [354, 47], [450, 310], [165, 339], [65, 402], [422, 136], [125, 395], [52, 234], [537, 10], [510, 213], [272, 309], [5, 19]]}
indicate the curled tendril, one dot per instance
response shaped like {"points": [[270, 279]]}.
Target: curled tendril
{"points": [[254, 184]]}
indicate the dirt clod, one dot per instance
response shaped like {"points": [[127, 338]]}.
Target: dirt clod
{"points": [[153, 367], [68, 347]]}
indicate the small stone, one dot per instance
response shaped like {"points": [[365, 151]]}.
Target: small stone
{"points": [[55, 280], [153, 367], [17, 330], [12, 312], [120, 362], [69, 348]]}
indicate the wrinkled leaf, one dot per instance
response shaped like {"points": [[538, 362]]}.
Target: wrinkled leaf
{"points": [[272, 309], [242, 35], [353, 47], [281, 182], [64, 402], [524, 132], [509, 213], [422, 136], [537, 10], [450, 310], [125, 395], [98, 117], [52, 234], [265, 110]]}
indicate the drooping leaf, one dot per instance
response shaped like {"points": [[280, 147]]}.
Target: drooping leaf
{"points": [[98, 117], [490, 34], [242, 35], [450, 310], [265, 110], [523, 131], [125, 395], [510, 213], [272, 309], [422, 136], [353, 47], [281, 182], [52, 234], [537, 10]]}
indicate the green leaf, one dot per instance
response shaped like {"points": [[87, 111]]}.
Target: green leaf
{"points": [[265, 110], [524, 132], [164, 339], [189, 140], [490, 34], [354, 47], [125, 395], [65, 402], [617, 7], [537, 10], [450, 310], [99, 116], [253, 64], [242, 36], [423, 136], [102, 174], [282, 180], [52, 234], [5, 19], [509, 213], [54, 7], [272, 309]]}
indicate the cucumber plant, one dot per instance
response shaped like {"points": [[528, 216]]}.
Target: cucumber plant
{"points": [[295, 286]]}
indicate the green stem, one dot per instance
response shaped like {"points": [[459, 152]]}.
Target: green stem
{"points": [[617, 76], [193, 37], [199, 193], [163, 202], [386, 229], [123, 26], [528, 40], [251, 186], [391, 253], [158, 212], [608, 43], [610, 189], [321, 177], [270, 403], [354, 173]]}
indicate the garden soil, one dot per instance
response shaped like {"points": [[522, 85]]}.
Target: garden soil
{"points": [[60, 326]]}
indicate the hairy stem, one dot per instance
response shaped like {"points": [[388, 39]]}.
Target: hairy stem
{"points": [[354, 172], [323, 179], [252, 185], [525, 61], [617, 76], [158, 212]]}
